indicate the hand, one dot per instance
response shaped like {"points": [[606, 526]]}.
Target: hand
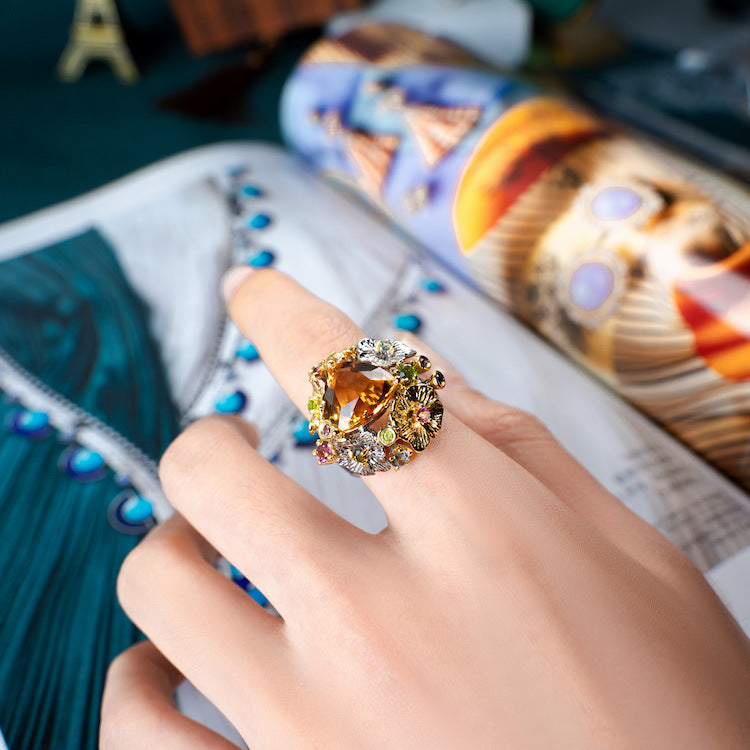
{"points": [[511, 602]]}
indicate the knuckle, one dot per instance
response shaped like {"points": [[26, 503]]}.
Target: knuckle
{"points": [[129, 577], [192, 448], [159, 553], [118, 673], [507, 426], [328, 329]]}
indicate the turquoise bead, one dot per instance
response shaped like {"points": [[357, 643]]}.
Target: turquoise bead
{"points": [[232, 403], [251, 191], [261, 259], [302, 435], [407, 322], [30, 424], [258, 221], [82, 463], [131, 513], [137, 509], [432, 285], [86, 460], [248, 352]]}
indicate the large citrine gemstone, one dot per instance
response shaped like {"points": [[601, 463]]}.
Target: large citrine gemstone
{"points": [[356, 394]]}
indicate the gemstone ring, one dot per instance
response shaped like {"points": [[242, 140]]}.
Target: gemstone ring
{"points": [[370, 407]]}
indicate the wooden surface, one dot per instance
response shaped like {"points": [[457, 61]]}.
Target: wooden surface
{"points": [[223, 24]]}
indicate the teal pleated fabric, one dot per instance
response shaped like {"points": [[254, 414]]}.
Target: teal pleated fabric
{"points": [[69, 316]]}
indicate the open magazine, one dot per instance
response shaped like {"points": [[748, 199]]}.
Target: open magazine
{"points": [[113, 336], [174, 228]]}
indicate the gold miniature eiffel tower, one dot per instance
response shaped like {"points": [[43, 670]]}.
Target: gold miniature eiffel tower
{"points": [[96, 34]]}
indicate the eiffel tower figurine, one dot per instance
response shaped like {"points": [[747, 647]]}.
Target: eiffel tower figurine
{"points": [[96, 34]]}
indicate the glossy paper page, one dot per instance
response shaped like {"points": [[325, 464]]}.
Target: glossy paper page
{"points": [[633, 262]]}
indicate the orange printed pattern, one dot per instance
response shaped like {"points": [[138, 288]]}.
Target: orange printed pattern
{"points": [[706, 306], [517, 149]]}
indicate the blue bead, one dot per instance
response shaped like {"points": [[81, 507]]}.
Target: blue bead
{"points": [[432, 285], [236, 573], [237, 170], [30, 424], [232, 403], [131, 513], [302, 435], [251, 191], [137, 509], [248, 352], [261, 259], [82, 463], [258, 221], [258, 596], [407, 322]]}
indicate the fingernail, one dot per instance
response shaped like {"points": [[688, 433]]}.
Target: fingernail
{"points": [[233, 280]]}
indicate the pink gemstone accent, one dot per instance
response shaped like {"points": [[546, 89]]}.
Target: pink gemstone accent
{"points": [[424, 414], [324, 454]]}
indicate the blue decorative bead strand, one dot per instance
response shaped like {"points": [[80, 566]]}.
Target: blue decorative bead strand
{"points": [[407, 322]]}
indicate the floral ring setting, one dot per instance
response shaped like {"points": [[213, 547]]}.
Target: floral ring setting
{"points": [[371, 408]]}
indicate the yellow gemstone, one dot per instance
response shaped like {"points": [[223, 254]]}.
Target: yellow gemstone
{"points": [[356, 394]]}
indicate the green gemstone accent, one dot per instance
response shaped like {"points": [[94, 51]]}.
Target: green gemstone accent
{"points": [[312, 405], [408, 371], [387, 435]]}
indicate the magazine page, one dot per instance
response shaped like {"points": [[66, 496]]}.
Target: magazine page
{"points": [[633, 262], [129, 277]]}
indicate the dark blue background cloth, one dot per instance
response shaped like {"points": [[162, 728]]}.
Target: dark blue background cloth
{"points": [[58, 140]]}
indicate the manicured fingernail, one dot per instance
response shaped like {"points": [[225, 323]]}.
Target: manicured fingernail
{"points": [[233, 280]]}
